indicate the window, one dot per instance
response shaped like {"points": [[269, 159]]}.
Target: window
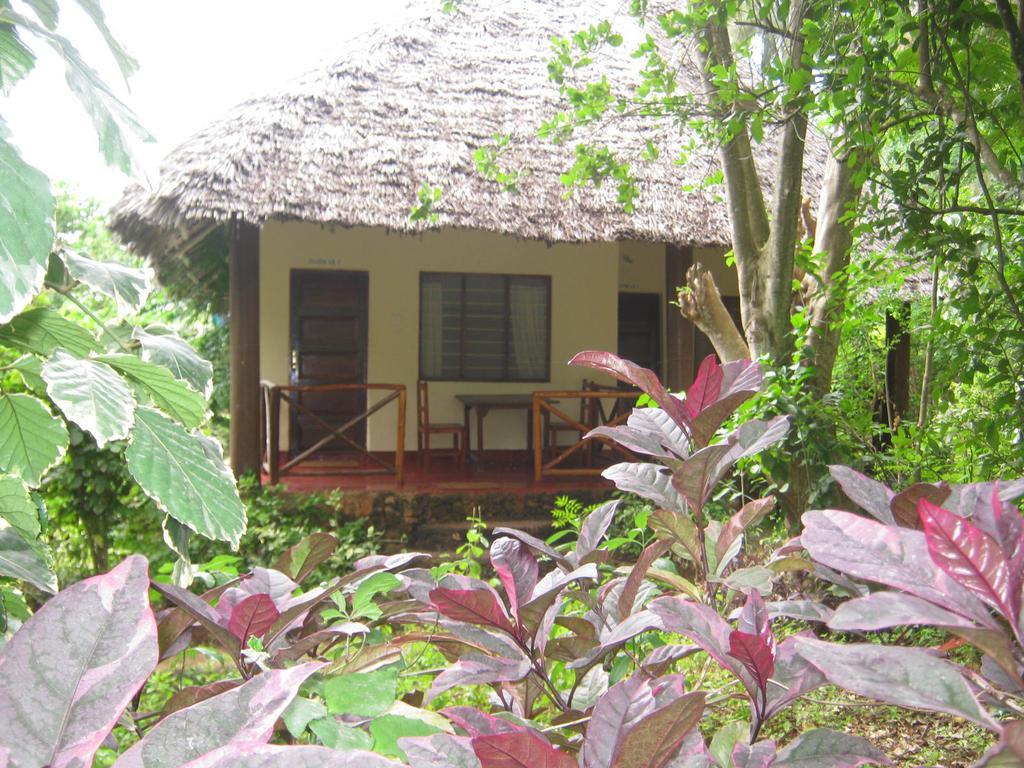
{"points": [[485, 327]]}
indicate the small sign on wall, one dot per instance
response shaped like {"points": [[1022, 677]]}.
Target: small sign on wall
{"points": [[318, 261]]}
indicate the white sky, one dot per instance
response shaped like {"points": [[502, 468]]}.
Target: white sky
{"points": [[197, 58]]}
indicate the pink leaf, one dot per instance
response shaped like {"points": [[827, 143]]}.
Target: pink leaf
{"points": [[755, 654], [706, 387], [643, 379], [253, 616], [516, 568], [970, 556], [522, 749], [69, 672], [476, 606]]}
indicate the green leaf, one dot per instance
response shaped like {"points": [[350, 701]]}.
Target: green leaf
{"points": [[107, 111], [16, 58], [388, 729], [127, 286], [31, 438], [166, 349], [30, 368], [48, 12], [127, 64], [362, 601], [174, 470], [24, 559], [170, 395], [340, 737], [26, 229], [17, 507], [91, 395], [41, 331], [300, 713], [366, 694]]}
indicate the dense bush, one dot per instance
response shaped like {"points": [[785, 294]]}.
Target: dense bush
{"points": [[564, 657]]}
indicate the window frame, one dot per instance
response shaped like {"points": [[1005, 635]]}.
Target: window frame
{"points": [[507, 277]]}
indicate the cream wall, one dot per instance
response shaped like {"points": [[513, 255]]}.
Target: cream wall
{"points": [[584, 287]]}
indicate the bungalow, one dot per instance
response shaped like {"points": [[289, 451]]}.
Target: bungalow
{"points": [[330, 280]]}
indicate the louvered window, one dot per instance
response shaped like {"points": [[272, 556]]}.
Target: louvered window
{"points": [[476, 327]]}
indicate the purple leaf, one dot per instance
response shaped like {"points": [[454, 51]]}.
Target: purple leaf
{"points": [[821, 746], [678, 528], [388, 562], [703, 626], [209, 617], [538, 546], [300, 560], [186, 697], [478, 723], [642, 378], [904, 504], [706, 387], [794, 676], [267, 581], [970, 556], [244, 714], [755, 619], [654, 741], [896, 557], [652, 481], [547, 591], [868, 494], [622, 707], [259, 755], [521, 749], [650, 431], [697, 476], [253, 616], [628, 597], [882, 610], [440, 750], [474, 668], [807, 610], [1008, 752], [593, 529], [69, 672], [906, 677], [476, 606], [750, 514], [741, 380], [621, 633], [516, 568], [759, 755], [756, 655]]}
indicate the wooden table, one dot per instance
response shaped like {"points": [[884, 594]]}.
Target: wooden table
{"points": [[484, 404]]}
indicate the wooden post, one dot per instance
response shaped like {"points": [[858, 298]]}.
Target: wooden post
{"points": [[679, 363], [538, 438], [400, 440], [897, 364], [244, 311]]}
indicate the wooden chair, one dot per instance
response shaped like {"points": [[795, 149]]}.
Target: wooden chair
{"points": [[587, 414], [424, 429]]}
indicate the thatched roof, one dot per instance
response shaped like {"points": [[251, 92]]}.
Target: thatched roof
{"points": [[406, 106]]}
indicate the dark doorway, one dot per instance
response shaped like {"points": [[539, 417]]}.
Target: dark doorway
{"points": [[640, 329], [328, 346]]}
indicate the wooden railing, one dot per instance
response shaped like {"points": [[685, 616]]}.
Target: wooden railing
{"points": [[273, 394], [545, 408]]}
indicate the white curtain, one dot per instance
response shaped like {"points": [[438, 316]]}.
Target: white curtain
{"points": [[529, 323], [431, 328]]}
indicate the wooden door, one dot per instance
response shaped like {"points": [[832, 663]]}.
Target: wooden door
{"points": [[328, 346], [640, 329]]}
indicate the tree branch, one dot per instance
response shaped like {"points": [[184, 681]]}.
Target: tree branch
{"points": [[701, 303], [1016, 35], [839, 191]]}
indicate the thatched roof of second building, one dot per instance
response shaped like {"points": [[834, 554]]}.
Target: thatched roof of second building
{"points": [[406, 106]]}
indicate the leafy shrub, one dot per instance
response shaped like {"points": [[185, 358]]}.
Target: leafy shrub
{"points": [[571, 660]]}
